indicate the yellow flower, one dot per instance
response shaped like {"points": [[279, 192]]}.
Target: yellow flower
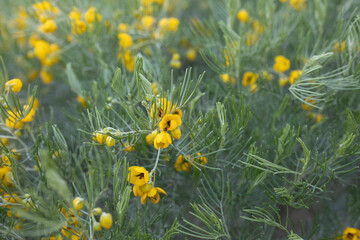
{"points": [[148, 191], [125, 40], [282, 64], [227, 78], [128, 148], [110, 141], [306, 106], [14, 85], [97, 226], [268, 76], [249, 78], [75, 15], [298, 5], [173, 24], [162, 107], [106, 220], [258, 27], [13, 121], [154, 88], [122, 27], [243, 15], [82, 101], [150, 137], [176, 134], [48, 27], [138, 175], [30, 116], [339, 47], [294, 76], [351, 234], [201, 159], [90, 15], [253, 88], [78, 203], [182, 165], [177, 112], [80, 27], [101, 138], [46, 77], [162, 140], [283, 82], [6, 175], [191, 54], [170, 122], [147, 21], [96, 211]]}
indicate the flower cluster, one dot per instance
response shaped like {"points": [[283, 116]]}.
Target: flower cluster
{"points": [[170, 120], [143, 185], [185, 163], [79, 25]]}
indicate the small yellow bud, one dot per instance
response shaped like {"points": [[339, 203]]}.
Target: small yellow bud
{"points": [[97, 226], [110, 141], [96, 211], [106, 220], [176, 134], [78, 203], [101, 138], [14, 85]]}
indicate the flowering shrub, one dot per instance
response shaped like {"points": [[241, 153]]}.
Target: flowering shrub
{"points": [[166, 119]]}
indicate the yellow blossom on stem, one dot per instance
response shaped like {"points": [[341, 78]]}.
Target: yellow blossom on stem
{"points": [[170, 122], [306, 106], [161, 107], [268, 76], [147, 22], [82, 101], [110, 141], [226, 78], [49, 26], [191, 54], [148, 191], [150, 137], [294, 76], [101, 138], [14, 85], [282, 64], [243, 15], [46, 76], [249, 78], [125, 40], [253, 88], [298, 5], [106, 220], [201, 159], [182, 165], [128, 148], [13, 121], [162, 140], [176, 134], [138, 175], [283, 81], [78, 203], [351, 234]]}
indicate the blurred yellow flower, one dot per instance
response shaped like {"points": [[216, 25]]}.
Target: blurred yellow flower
{"points": [[282, 64]]}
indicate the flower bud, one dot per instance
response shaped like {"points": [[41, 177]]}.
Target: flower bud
{"points": [[106, 220], [78, 203], [110, 141]]}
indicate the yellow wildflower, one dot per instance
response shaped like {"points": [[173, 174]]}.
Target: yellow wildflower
{"points": [[182, 164], [253, 88], [298, 5], [249, 78], [13, 121], [176, 134], [294, 76], [148, 191], [268, 76], [162, 107], [162, 140], [191, 54], [14, 85], [201, 159], [128, 148], [82, 101], [101, 138], [110, 141], [170, 122], [106, 220], [125, 40], [243, 15], [351, 234], [122, 27], [226, 78], [78, 203], [147, 22], [138, 175], [49, 26], [283, 81], [151, 137], [46, 77], [339, 47], [306, 106], [282, 64]]}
